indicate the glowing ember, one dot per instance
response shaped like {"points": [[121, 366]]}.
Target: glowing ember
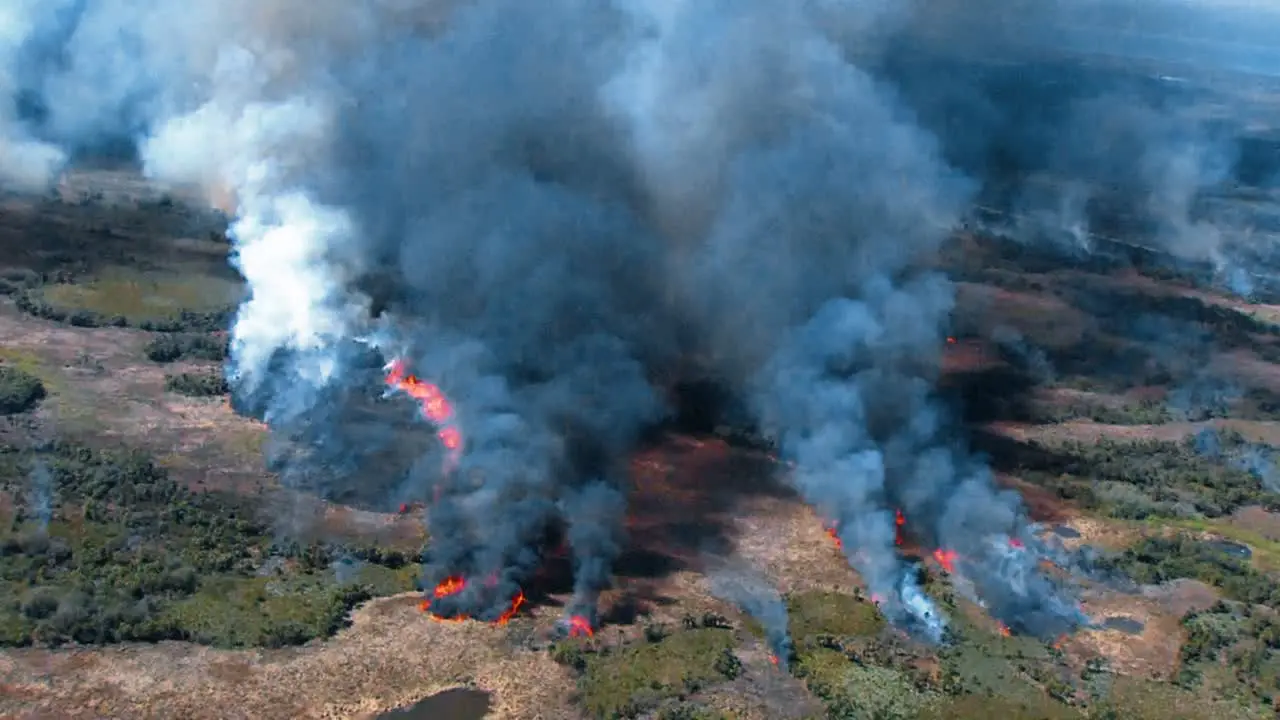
{"points": [[947, 559], [1015, 543], [951, 340], [1057, 644], [453, 586], [773, 659], [579, 627], [1004, 629], [435, 406], [899, 521], [450, 438]]}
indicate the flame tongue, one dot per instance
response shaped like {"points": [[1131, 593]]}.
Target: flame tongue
{"points": [[435, 407], [452, 586]]}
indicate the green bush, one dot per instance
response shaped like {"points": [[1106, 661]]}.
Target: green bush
{"points": [[197, 384], [19, 391], [637, 679], [133, 556], [1143, 479], [169, 348], [1158, 559]]}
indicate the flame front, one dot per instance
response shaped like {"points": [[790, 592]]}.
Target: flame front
{"points": [[453, 586], [1004, 629], [899, 522], [435, 407]]}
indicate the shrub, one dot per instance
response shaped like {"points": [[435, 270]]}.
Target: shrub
{"points": [[151, 560], [197, 384], [19, 391], [173, 347], [1157, 559]]}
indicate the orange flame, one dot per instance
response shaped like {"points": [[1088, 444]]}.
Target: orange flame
{"points": [[1057, 644], [580, 627], [435, 406], [835, 536], [516, 603], [450, 586], [899, 521], [453, 586], [1015, 543], [1004, 629], [773, 659], [951, 340], [947, 559]]}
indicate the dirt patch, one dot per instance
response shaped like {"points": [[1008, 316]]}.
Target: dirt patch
{"points": [[1179, 597], [1151, 653], [101, 387], [1258, 520], [1086, 431]]}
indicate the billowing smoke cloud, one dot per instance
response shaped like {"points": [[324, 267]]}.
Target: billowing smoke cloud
{"points": [[25, 163], [545, 208]]}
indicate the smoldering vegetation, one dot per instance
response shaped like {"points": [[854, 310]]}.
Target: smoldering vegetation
{"points": [[554, 212]]}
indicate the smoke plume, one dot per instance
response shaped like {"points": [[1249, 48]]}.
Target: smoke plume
{"points": [[745, 587], [544, 210]]}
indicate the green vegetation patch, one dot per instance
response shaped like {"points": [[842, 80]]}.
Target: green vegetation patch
{"points": [[1239, 638], [141, 296], [123, 297], [20, 391], [263, 610], [197, 384], [1146, 479], [829, 613], [1134, 698], [171, 347], [121, 552], [855, 691], [1147, 412], [1160, 559], [660, 671]]}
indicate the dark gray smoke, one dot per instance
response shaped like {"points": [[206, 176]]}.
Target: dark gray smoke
{"points": [[546, 208]]}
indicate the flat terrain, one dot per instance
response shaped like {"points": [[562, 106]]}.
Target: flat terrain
{"points": [[1135, 411]]}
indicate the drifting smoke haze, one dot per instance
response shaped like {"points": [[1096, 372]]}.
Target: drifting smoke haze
{"points": [[1129, 143], [40, 494], [744, 586], [546, 208]]}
